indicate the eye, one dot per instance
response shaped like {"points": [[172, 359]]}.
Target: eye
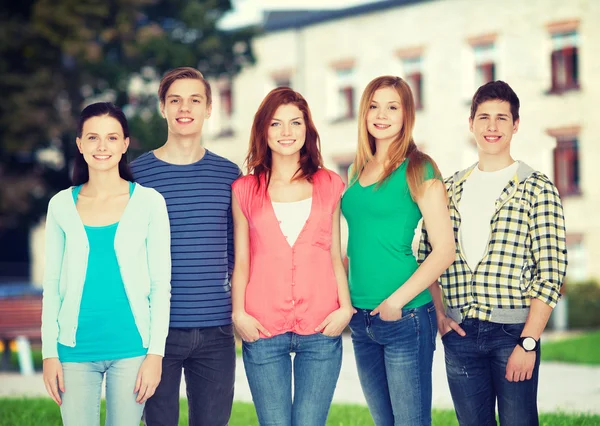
{"points": [[502, 118], [113, 138], [372, 106], [196, 101], [274, 124], [393, 107], [297, 123], [92, 138], [174, 101]]}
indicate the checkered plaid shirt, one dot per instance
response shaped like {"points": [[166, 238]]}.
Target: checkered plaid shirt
{"points": [[526, 255]]}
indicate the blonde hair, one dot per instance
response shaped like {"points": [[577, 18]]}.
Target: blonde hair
{"points": [[403, 148]]}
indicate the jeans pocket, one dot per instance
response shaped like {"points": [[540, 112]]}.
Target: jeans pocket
{"points": [[226, 330], [405, 317], [448, 333], [513, 330], [339, 336]]}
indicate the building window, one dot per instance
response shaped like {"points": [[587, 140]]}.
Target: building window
{"points": [[344, 93], [485, 67], [413, 75], [565, 62], [566, 166], [283, 81], [224, 110], [577, 270]]}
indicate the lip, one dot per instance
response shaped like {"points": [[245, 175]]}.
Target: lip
{"points": [[102, 157], [492, 138], [184, 120], [286, 142], [381, 126]]}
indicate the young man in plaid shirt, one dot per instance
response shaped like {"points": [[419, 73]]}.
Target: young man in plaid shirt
{"points": [[510, 264]]}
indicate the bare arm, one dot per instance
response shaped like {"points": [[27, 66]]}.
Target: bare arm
{"points": [[335, 322]]}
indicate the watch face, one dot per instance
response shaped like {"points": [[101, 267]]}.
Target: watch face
{"points": [[529, 343]]}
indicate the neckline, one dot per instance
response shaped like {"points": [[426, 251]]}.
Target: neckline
{"points": [[75, 193], [377, 182], [293, 202], [275, 220], [206, 153]]}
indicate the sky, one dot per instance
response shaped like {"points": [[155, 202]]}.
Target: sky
{"points": [[248, 12]]}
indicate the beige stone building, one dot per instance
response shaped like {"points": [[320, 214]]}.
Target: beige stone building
{"points": [[548, 51]]}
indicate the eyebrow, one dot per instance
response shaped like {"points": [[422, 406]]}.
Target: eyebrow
{"points": [[485, 114], [389, 102], [94, 133], [197, 95], [295, 118]]}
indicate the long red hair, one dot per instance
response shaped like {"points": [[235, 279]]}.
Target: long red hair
{"points": [[259, 158]]}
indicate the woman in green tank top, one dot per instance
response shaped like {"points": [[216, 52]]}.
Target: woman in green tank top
{"points": [[392, 185]]}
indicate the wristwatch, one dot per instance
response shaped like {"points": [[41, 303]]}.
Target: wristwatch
{"points": [[529, 344]]}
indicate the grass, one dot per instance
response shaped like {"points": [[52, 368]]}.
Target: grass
{"points": [[582, 349], [34, 411]]}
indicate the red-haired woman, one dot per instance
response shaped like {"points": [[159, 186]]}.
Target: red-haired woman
{"points": [[290, 293]]}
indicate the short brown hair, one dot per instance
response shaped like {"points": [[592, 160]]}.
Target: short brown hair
{"points": [[180, 74], [496, 91]]}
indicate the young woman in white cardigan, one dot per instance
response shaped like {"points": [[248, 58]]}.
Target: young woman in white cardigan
{"points": [[107, 280]]}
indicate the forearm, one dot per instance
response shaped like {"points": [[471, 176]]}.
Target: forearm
{"points": [[438, 301], [428, 272], [539, 314], [342, 284], [239, 282]]}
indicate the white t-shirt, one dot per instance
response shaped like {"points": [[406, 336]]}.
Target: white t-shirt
{"points": [[292, 217], [477, 207]]}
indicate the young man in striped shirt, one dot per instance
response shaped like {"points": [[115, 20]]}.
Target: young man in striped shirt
{"points": [[510, 265], [196, 185]]}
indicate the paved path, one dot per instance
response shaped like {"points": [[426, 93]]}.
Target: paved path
{"points": [[563, 387]]}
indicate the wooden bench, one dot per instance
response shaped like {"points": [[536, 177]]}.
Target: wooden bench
{"points": [[20, 317]]}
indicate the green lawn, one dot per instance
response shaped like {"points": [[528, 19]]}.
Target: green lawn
{"points": [[583, 349], [43, 411]]}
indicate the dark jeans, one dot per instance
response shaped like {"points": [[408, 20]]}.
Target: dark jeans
{"points": [[476, 370], [207, 357], [394, 361], [316, 369]]}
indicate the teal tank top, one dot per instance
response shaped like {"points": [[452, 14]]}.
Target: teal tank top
{"points": [[106, 327]]}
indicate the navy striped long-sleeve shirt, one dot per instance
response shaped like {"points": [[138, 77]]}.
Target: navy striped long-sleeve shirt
{"points": [[198, 200]]}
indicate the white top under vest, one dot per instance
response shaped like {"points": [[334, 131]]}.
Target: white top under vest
{"points": [[477, 207], [292, 217]]}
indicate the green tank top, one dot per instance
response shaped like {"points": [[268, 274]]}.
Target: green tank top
{"points": [[381, 226]]}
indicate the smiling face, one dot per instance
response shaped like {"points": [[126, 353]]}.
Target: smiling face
{"points": [[287, 131], [385, 117], [185, 107], [102, 143], [493, 127]]}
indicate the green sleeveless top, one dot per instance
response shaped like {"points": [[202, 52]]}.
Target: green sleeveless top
{"points": [[381, 225]]}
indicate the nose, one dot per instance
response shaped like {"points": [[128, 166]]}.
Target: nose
{"points": [[492, 125], [102, 144], [286, 129], [381, 113], [184, 105]]}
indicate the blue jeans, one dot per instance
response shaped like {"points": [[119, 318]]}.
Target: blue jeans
{"points": [[394, 361], [83, 389], [207, 357], [317, 365], [476, 369]]}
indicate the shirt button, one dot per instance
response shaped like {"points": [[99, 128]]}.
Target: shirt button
{"points": [[293, 302]]}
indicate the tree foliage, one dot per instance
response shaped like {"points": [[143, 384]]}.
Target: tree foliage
{"points": [[58, 55]]}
